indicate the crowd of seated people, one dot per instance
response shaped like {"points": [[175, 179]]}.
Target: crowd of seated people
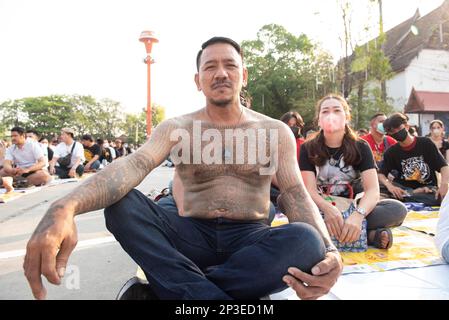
{"points": [[28, 159]]}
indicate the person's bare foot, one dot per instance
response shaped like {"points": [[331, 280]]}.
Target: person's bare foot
{"points": [[7, 183], [384, 238]]}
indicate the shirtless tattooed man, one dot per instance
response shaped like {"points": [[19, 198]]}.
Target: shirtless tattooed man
{"points": [[221, 247]]}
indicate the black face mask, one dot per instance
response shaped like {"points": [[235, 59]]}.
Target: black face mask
{"points": [[295, 130], [400, 136]]}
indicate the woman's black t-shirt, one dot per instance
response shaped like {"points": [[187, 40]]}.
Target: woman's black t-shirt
{"points": [[335, 175]]}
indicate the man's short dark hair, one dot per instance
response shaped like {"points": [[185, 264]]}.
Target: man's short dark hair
{"points": [[19, 130], [87, 137], [100, 141], [378, 115], [395, 121], [33, 132], [215, 40]]}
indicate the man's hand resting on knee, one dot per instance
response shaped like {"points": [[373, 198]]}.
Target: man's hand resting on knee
{"points": [[324, 276], [49, 249]]}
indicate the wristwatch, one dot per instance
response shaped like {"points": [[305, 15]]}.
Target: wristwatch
{"points": [[331, 248], [361, 211]]}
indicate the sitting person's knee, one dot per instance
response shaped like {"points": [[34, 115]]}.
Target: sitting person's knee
{"points": [[397, 209], [118, 209], [401, 211], [306, 243]]}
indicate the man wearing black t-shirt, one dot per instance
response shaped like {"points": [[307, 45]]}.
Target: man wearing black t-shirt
{"points": [[92, 153], [413, 163]]}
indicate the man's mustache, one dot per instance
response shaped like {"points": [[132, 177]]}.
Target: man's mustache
{"points": [[221, 83]]}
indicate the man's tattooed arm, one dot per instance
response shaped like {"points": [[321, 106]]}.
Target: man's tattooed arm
{"points": [[295, 201], [113, 182], [55, 237]]}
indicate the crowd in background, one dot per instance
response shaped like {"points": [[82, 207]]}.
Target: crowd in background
{"points": [[29, 159]]}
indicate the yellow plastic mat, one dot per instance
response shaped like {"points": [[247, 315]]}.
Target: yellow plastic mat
{"points": [[413, 247]]}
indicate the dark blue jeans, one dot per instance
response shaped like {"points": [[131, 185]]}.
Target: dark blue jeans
{"points": [[188, 258], [95, 165], [63, 172], [427, 198]]}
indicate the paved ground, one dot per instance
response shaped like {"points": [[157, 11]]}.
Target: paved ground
{"points": [[98, 267]]}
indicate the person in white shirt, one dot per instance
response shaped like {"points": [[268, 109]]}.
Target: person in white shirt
{"points": [[68, 146], [442, 234], [33, 135], [25, 160]]}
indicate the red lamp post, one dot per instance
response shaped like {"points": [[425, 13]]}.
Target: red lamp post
{"points": [[148, 38]]}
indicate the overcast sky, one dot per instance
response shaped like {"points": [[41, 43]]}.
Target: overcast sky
{"points": [[91, 46]]}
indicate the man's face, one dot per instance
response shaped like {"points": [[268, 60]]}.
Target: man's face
{"points": [[376, 121], [16, 138], [400, 134], [65, 137], [31, 136], [221, 74], [395, 130]]}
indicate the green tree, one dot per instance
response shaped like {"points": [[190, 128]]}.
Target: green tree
{"points": [[109, 116], [286, 72], [44, 114], [370, 65], [11, 115], [134, 127], [84, 113], [157, 114], [346, 40], [49, 114]]}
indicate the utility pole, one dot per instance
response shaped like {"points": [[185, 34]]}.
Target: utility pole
{"points": [[148, 38]]}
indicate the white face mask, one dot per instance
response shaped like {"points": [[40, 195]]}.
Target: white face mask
{"points": [[45, 145], [436, 132], [106, 145]]}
